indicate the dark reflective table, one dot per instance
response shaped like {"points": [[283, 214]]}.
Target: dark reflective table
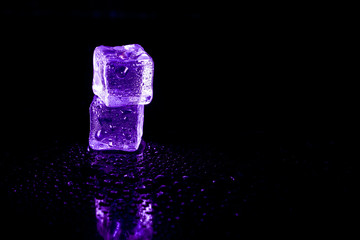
{"points": [[164, 191]]}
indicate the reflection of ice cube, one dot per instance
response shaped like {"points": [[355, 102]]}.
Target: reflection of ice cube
{"points": [[113, 228], [107, 227], [115, 128], [144, 228], [123, 75], [123, 205]]}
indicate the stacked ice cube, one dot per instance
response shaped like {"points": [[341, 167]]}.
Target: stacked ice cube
{"points": [[122, 84]]}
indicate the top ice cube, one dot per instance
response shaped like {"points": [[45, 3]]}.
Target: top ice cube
{"points": [[123, 75]]}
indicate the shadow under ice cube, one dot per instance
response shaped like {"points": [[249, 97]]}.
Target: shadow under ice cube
{"points": [[123, 75], [115, 128]]}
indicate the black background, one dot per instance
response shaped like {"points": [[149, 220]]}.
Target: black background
{"points": [[220, 71], [231, 77], [214, 78]]}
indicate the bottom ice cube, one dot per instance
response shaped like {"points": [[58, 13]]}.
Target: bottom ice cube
{"points": [[117, 128]]}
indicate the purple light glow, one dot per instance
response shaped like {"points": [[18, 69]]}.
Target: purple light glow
{"points": [[123, 205], [107, 228], [123, 75], [117, 128], [122, 83], [112, 228]]}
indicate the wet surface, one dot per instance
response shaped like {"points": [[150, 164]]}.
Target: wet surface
{"points": [[169, 192], [160, 191]]}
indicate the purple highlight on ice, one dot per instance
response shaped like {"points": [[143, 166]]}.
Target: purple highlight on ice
{"points": [[123, 75], [122, 84], [115, 128]]}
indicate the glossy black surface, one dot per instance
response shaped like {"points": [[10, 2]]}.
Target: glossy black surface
{"points": [[169, 191]]}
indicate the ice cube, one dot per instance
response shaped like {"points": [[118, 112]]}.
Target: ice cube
{"points": [[115, 128], [123, 75]]}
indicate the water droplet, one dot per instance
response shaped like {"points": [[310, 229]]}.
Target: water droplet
{"points": [[98, 135], [122, 71], [159, 176]]}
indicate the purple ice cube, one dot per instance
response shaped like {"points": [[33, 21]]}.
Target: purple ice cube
{"points": [[115, 128], [123, 75]]}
